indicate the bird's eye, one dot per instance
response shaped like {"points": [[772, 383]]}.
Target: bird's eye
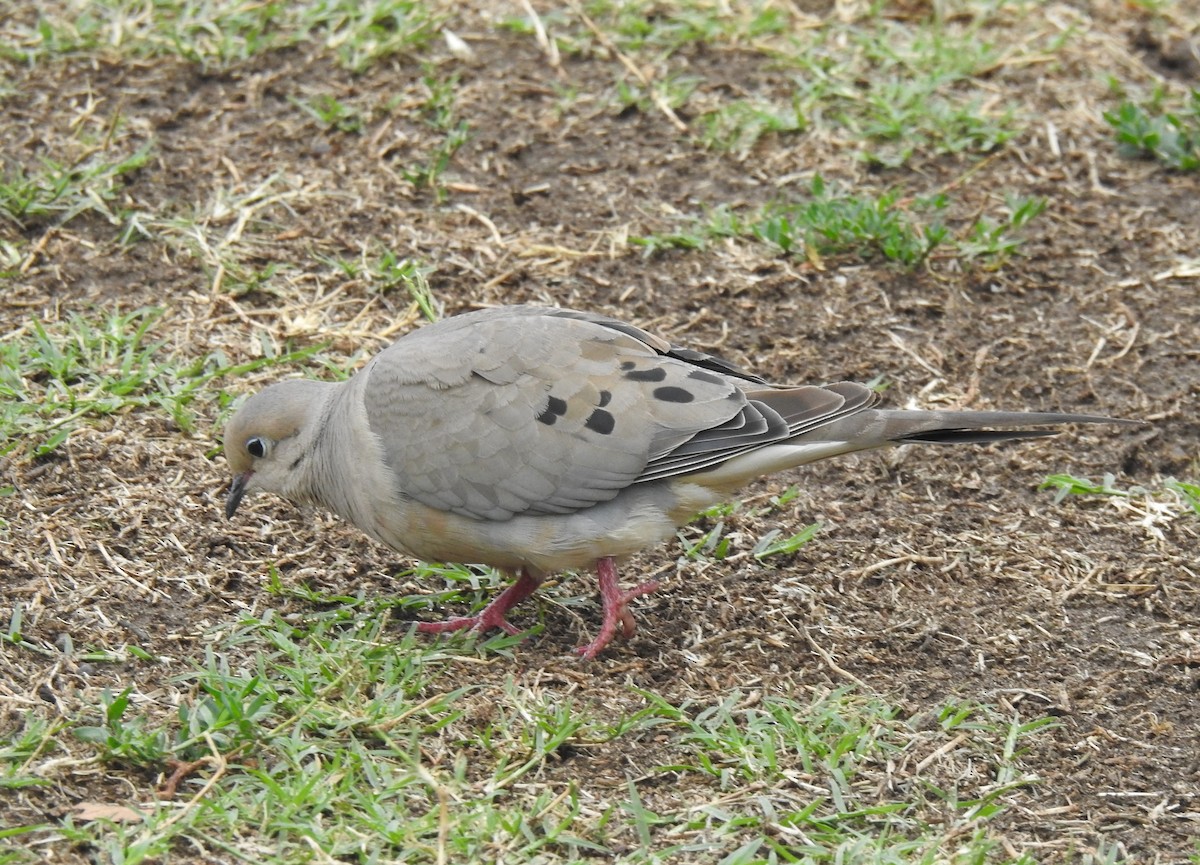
{"points": [[256, 447]]}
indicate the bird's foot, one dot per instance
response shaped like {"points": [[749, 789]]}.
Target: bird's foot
{"points": [[616, 608], [480, 623], [494, 615]]}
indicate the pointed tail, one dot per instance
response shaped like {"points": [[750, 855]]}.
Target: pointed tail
{"points": [[875, 428], [899, 426]]}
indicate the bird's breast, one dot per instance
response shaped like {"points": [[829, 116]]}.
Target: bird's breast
{"points": [[641, 516]]}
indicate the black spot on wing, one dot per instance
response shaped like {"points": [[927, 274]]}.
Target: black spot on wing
{"points": [[605, 398], [708, 377], [600, 421], [555, 408], [670, 393], [654, 373], [712, 362]]}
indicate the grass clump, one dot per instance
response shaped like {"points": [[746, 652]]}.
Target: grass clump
{"points": [[707, 539], [362, 34], [221, 33], [440, 114], [53, 378], [332, 113], [57, 377], [828, 222], [737, 126], [832, 223], [896, 90], [1185, 496], [923, 94], [657, 29], [1155, 509], [793, 778], [1149, 131], [62, 190]]}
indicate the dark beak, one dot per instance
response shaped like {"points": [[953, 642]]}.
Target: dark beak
{"points": [[237, 489]]}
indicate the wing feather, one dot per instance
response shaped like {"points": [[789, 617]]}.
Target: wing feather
{"points": [[528, 410], [489, 416]]}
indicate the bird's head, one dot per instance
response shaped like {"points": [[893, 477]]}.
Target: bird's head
{"points": [[269, 440]]}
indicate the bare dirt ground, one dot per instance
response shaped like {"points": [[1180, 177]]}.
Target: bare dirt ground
{"points": [[937, 572]]}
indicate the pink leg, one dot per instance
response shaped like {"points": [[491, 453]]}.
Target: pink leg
{"points": [[616, 608], [493, 615]]}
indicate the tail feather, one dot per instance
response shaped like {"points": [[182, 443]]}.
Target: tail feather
{"points": [[876, 428], [972, 436]]}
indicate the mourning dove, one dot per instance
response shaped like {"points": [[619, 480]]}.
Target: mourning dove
{"points": [[537, 440]]}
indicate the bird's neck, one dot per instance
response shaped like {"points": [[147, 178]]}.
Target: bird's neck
{"points": [[341, 477]]}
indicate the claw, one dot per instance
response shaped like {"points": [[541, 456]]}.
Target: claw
{"points": [[616, 608], [494, 615]]}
